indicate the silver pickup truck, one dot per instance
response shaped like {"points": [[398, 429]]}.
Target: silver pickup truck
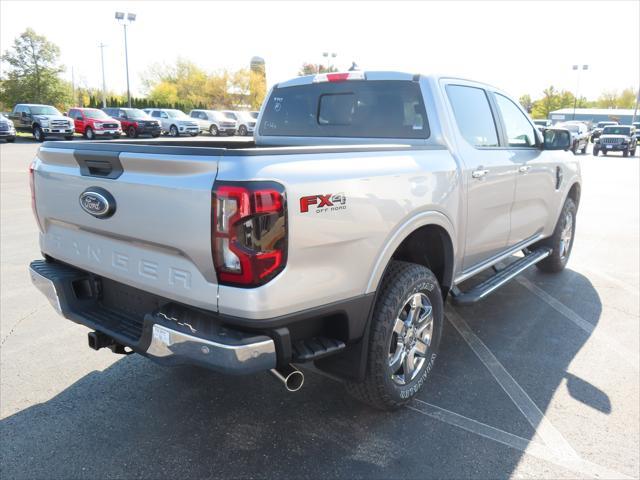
{"points": [[364, 202]]}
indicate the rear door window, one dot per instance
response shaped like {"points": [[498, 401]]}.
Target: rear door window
{"points": [[473, 115], [356, 108]]}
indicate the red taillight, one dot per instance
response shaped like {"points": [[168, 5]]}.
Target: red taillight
{"points": [[32, 187], [249, 234]]}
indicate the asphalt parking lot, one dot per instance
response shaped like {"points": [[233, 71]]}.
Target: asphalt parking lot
{"points": [[540, 380]]}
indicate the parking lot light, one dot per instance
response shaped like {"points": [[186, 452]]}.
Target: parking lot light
{"points": [[131, 17], [577, 68]]}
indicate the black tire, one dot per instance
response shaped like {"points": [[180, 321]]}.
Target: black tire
{"points": [[173, 131], [132, 132], [242, 130], [596, 151], [155, 135], [559, 257], [69, 137], [213, 130], [574, 148], [625, 153], [194, 134], [10, 139], [88, 134], [116, 137], [38, 134], [584, 149], [401, 281], [604, 152]]}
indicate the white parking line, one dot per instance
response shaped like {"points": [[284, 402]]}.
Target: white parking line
{"points": [[551, 437], [519, 443], [630, 358]]}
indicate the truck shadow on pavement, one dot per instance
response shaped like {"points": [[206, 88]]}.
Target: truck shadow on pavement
{"points": [[136, 419]]}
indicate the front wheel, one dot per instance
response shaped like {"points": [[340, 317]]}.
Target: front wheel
{"points": [[38, 134], [213, 130], [404, 337], [10, 139], [596, 151], [173, 131], [561, 242], [242, 131], [625, 153], [89, 134], [132, 132]]}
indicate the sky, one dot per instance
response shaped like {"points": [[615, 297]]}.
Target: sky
{"points": [[518, 46]]}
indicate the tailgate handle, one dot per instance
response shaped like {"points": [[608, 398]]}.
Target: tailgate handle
{"points": [[98, 168], [99, 163]]}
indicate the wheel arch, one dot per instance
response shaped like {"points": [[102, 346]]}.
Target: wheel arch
{"points": [[426, 240], [574, 193]]}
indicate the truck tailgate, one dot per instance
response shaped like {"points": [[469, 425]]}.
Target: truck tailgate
{"points": [[158, 239]]}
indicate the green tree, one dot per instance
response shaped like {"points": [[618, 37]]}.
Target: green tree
{"points": [[313, 68], [525, 101], [34, 71]]}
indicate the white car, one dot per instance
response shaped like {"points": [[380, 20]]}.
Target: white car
{"points": [[246, 121], [174, 122], [214, 122]]}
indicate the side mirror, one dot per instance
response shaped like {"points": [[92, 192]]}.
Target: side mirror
{"points": [[66, 114], [557, 139], [25, 114]]}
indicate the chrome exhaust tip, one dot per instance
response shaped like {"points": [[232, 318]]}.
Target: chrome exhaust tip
{"points": [[290, 376]]}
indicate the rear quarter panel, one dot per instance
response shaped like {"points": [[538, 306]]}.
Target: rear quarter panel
{"points": [[334, 252]]}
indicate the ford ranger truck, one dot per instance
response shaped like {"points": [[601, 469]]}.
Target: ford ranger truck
{"points": [[364, 202]]}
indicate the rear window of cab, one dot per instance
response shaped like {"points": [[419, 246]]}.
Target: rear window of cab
{"points": [[354, 108]]}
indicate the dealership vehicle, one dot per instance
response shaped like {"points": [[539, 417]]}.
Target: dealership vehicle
{"points": [[135, 121], [214, 122], [92, 123], [174, 122], [597, 131], [636, 125], [7, 130], [365, 201], [617, 138], [246, 121], [42, 121], [579, 135]]}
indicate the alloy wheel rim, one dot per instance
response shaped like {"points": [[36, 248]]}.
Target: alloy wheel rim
{"points": [[566, 235], [411, 338]]}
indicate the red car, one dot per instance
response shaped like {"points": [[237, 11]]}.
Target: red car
{"points": [[92, 123]]}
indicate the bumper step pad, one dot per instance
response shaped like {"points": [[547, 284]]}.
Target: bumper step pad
{"points": [[315, 348]]}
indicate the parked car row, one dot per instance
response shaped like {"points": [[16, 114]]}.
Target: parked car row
{"points": [[45, 121]]}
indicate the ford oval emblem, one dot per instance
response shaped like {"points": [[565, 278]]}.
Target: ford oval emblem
{"points": [[98, 202]]}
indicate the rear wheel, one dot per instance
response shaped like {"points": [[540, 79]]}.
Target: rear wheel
{"points": [[404, 337], [561, 242]]}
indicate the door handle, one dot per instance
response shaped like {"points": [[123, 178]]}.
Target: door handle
{"points": [[524, 168], [479, 173]]}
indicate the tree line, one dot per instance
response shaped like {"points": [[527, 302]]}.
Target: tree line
{"points": [[553, 99], [34, 76]]}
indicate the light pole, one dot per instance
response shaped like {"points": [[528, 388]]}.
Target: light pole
{"points": [[104, 83], [131, 17], [575, 100], [328, 55]]}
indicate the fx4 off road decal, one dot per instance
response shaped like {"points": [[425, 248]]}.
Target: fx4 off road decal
{"points": [[323, 203]]}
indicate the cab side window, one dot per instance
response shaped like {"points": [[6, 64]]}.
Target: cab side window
{"points": [[520, 133], [155, 114], [473, 115]]}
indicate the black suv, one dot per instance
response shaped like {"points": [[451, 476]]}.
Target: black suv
{"points": [[135, 121], [617, 138]]}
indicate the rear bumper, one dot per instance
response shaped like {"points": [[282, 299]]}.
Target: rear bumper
{"points": [[167, 333]]}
